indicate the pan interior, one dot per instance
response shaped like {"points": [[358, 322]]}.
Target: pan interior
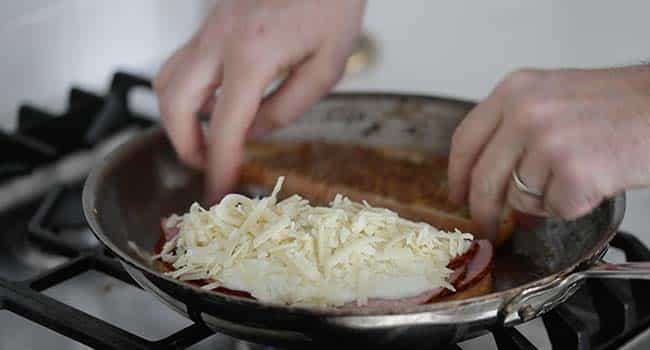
{"points": [[144, 181]]}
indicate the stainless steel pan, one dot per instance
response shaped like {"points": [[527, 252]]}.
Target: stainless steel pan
{"points": [[540, 267]]}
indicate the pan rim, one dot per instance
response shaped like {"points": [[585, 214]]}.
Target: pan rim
{"points": [[91, 215]]}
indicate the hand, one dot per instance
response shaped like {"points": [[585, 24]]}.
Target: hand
{"points": [[576, 136], [241, 48]]}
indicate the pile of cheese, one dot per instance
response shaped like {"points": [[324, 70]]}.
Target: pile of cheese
{"points": [[293, 253]]}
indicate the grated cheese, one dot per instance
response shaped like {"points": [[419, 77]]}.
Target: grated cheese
{"points": [[293, 253]]}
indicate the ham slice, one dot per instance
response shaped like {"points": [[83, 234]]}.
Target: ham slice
{"points": [[463, 259], [421, 298], [479, 265], [169, 232]]}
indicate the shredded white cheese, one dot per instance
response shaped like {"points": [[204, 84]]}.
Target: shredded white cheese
{"points": [[293, 253]]}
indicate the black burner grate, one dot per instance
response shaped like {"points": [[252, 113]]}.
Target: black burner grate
{"points": [[601, 315], [604, 314], [25, 299], [60, 211], [42, 137]]}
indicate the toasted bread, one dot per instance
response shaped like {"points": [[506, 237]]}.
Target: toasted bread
{"points": [[408, 182]]}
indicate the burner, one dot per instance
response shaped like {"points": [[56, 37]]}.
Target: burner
{"points": [[20, 258], [26, 300], [59, 223], [42, 137], [23, 154], [604, 313]]}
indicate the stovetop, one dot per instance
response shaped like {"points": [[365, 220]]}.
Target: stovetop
{"points": [[60, 289]]}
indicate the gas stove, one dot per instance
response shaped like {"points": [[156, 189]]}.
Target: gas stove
{"points": [[60, 289]]}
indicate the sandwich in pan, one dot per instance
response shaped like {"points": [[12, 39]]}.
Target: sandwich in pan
{"points": [[321, 244]]}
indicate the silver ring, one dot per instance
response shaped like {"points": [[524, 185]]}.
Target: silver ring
{"points": [[521, 186]]}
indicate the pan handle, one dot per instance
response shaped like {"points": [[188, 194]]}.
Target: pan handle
{"points": [[628, 270], [533, 302]]}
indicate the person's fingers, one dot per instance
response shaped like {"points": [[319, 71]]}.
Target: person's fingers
{"points": [[478, 128], [242, 90], [468, 140], [190, 86], [307, 84], [572, 192], [533, 170], [491, 175], [208, 105], [163, 76], [583, 173]]}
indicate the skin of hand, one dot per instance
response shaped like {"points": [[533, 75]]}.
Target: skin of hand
{"points": [[577, 136], [241, 48]]}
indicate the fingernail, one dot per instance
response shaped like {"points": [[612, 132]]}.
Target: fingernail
{"points": [[212, 189], [201, 158], [490, 228], [454, 198], [216, 186], [456, 193], [453, 194], [196, 162], [257, 131]]}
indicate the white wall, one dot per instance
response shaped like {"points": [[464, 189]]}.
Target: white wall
{"points": [[48, 45], [463, 47]]}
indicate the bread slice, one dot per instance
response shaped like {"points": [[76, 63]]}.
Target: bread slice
{"points": [[408, 182]]}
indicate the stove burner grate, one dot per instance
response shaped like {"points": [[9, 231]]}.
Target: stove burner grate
{"points": [[24, 298], [59, 225]]}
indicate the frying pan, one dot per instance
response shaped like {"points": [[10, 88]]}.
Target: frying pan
{"points": [[541, 266]]}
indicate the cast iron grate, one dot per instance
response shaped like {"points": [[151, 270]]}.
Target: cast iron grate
{"points": [[24, 298], [61, 211], [42, 137], [602, 315]]}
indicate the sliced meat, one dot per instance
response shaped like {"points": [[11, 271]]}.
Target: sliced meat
{"points": [[463, 259], [479, 266], [237, 293], [422, 298], [168, 232]]}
